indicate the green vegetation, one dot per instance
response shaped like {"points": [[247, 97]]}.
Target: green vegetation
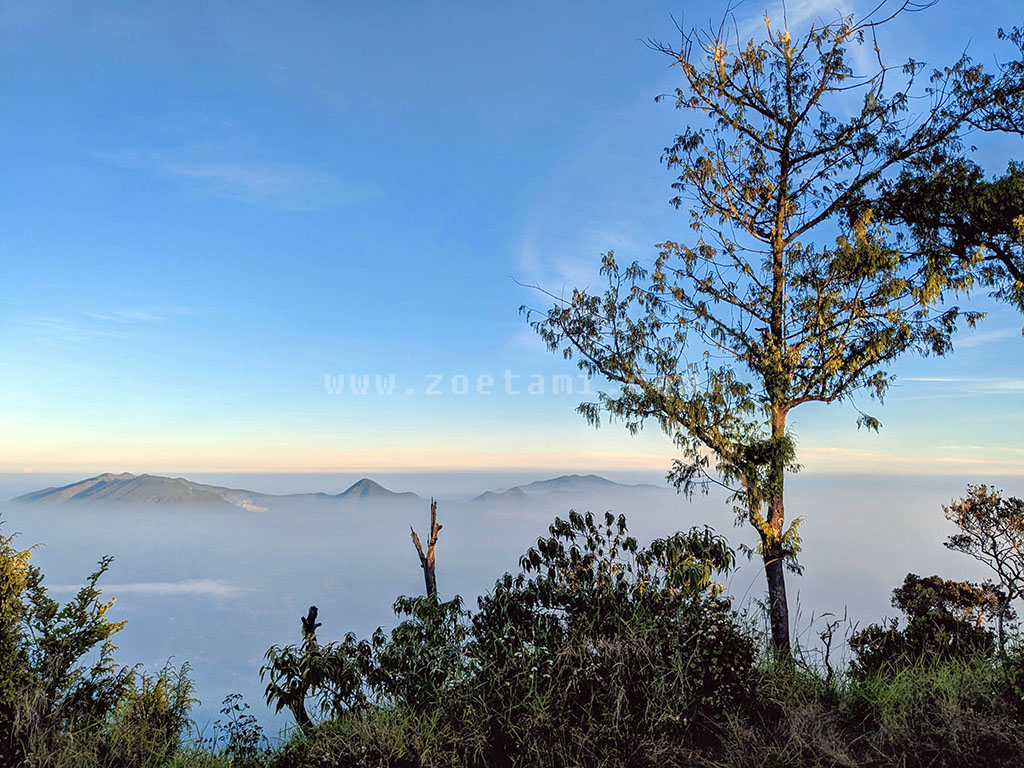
{"points": [[808, 271], [830, 230], [63, 698], [598, 652]]}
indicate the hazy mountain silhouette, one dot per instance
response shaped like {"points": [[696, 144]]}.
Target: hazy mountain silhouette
{"points": [[368, 489], [512, 494], [157, 490], [585, 483], [127, 488], [146, 490], [563, 486]]}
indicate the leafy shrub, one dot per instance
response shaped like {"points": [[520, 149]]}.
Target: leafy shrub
{"points": [[49, 690], [239, 737], [148, 721], [63, 697], [943, 619], [597, 650], [595, 634], [332, 675], [930, 713], [938, 712], [1012, 682], [424, 659]]}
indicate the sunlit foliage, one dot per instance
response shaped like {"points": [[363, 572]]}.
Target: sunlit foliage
{"points": [[779, 297]]}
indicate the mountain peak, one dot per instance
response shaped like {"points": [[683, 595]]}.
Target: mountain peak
{"points": [[512, 494], [571, 483], [367, 489], [574, 485], [127, 488], [149, 490]]}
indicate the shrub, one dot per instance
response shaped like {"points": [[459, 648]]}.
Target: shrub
{"points": [[938, 712], [601, 644], [943, 619], [597, 652], [63, 698]]}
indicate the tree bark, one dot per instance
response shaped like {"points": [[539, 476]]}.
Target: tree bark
{"points": [[773, 550], [309, 644], [1000, 612], [301, 717], [427, 558], [778, 608]]}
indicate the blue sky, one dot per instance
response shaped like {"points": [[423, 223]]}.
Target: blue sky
{"points": [[210, 207]]}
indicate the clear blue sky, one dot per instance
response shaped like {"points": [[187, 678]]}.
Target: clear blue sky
{"points": [[208, 207]]}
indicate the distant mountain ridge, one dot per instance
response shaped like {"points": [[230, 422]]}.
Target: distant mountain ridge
{"points": [[563, 485], [512, 494], [128, 488], [144, 490], [156, 490]]}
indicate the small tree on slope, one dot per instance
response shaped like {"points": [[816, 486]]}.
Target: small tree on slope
{"points": [[992, 531]]}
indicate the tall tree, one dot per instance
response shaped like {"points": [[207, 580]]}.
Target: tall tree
{"points": [[780, 297]]}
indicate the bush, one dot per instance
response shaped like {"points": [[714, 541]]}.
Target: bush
{"points": [[599, 645], [147, 724], [943, 619], [63, 698], [934, 713], [939, 712], [599, 652]]}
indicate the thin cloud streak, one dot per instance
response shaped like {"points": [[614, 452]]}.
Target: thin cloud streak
{"points": [[293, 187], [113, 324], [987, 337], [829, 459], [974, 385], [202, 587], [128, 315], [58, 328], [797, 15]]}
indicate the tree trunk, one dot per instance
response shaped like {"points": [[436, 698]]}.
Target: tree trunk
{"points": [[778, 608], [1000, 612], [427, 558], [309, 644], [777, 381], [773, 551], [302, 720]]}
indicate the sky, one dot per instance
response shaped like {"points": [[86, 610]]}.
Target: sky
{"points": [[294, 237]]}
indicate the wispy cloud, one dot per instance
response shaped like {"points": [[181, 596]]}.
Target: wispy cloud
{"points": [[797, 15], [109, 324], [969, 340], [987, 448], [56, 328], [974, 385], [854, 458], [832, 458], [526, 341], [203, 587], [550, 258], [291, 186], [136, 315]]}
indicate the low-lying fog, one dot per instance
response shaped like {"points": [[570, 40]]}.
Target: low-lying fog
{"points": [[217, 589]]}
